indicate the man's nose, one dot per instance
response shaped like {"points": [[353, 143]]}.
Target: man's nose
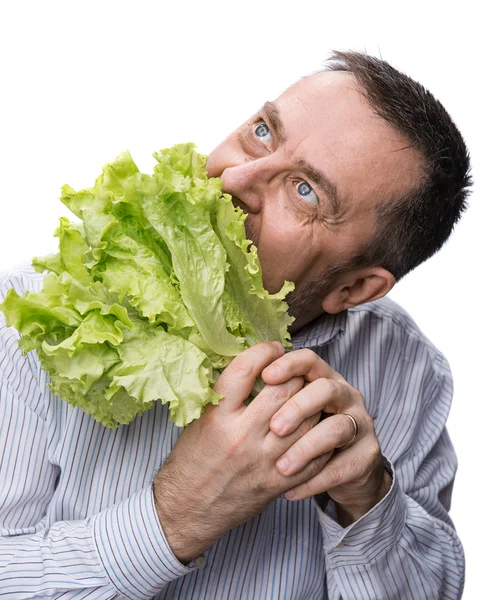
{"points": [[248, 181]]}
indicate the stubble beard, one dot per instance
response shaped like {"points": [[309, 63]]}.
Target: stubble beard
{"points": [[305, 301]]}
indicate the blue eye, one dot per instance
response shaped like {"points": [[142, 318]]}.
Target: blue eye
{"points": [[262, 131], [305, 190]]}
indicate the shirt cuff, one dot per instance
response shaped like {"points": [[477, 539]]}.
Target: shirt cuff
{"points": [[364, 539], [133, 549]]}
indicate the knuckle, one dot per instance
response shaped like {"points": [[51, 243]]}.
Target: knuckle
{"points": [[329, 386], [309, 488], [312, 421], [309, 354], [336, 426], [315, 466], [356, 395], [308, 424], [294, 408], [365, 424], [279, 392], [286, 390], [235, 443], [279, 483], [296, 384], [249, 361], [319, 464], [369, 424], [306, 444], [268, 351], [305, 481], [334, 474], [270, 346], [347, 392], [359, 468], [374, 453], [241, 367]]}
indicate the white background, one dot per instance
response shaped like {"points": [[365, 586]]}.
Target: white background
{"points": [[82, 81]]}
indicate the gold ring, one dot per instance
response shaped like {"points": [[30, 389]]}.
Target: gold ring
{"points": [[356, 430]]}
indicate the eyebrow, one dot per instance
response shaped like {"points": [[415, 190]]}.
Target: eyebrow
{"points": [[271, 113], [325, 184]]}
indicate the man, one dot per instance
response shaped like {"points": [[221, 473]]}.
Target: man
{"points": [[335, 482]]}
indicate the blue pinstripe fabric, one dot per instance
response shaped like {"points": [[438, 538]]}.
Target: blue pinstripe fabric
{"points": [[77, 518]]}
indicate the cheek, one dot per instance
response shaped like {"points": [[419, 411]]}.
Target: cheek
{"points": [[284, 255]]}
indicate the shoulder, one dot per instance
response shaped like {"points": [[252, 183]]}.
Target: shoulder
{"points": [[383, 353], [385, 311], [391, 324], [380, 342]]}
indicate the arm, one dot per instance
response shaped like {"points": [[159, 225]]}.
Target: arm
{"points": [[223, 465], [386, 536], [405, 547], [119, 552]]}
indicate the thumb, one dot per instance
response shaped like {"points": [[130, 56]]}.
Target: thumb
{"points": [[238, 379]]}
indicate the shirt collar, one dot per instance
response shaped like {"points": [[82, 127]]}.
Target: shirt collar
{"points": [[326, 328]]}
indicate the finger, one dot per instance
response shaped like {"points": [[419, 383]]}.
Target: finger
{"points": [[323, 394], [277, 446], [314, 467], [303, 363], [259, 412], [333, 432], [344, 467], [238, 379]]}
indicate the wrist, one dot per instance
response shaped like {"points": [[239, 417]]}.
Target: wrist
{"points": [[352, 512], [184, 541]]}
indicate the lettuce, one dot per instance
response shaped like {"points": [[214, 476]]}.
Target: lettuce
{"points": [[151, 294]]}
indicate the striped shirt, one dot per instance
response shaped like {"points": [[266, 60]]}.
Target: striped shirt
{"points": [[77, 517]]}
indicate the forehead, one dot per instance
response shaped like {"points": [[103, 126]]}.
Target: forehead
{"points": [[328, 121]]}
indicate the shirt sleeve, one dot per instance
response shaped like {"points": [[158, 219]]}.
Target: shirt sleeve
{"points": [[406, 546], [119, 553]]}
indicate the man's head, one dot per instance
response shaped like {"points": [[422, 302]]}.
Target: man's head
{"points": [[351, 178]]}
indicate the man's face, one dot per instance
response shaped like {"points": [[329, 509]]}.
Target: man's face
{"points": [[310, 170]]}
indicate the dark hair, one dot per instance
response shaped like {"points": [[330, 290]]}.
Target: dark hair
{"points": [[414, 227]]}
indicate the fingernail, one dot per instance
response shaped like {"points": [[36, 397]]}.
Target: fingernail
{"points": [[290, 495], [272, 371], [278, 424], [278, 345], [283, 464]]}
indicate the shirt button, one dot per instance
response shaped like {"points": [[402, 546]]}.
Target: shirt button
{"points": [[200, 561]]}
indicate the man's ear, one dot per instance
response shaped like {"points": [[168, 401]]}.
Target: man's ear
{"points": [[357, 287]]}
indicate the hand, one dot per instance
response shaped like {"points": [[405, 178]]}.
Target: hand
{"points": [[221, 471], [354, 477]]}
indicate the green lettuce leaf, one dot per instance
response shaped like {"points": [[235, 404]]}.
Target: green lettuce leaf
{"points": [[152, 293]]}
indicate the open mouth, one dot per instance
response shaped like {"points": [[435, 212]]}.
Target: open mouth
{"points": [[238, 203], [251, 232]]}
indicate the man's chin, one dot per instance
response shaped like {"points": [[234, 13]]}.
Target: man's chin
{"points": [[300, 305], [305, 301]]}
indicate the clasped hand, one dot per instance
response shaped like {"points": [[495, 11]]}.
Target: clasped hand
{"points": [[227, 466]]}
